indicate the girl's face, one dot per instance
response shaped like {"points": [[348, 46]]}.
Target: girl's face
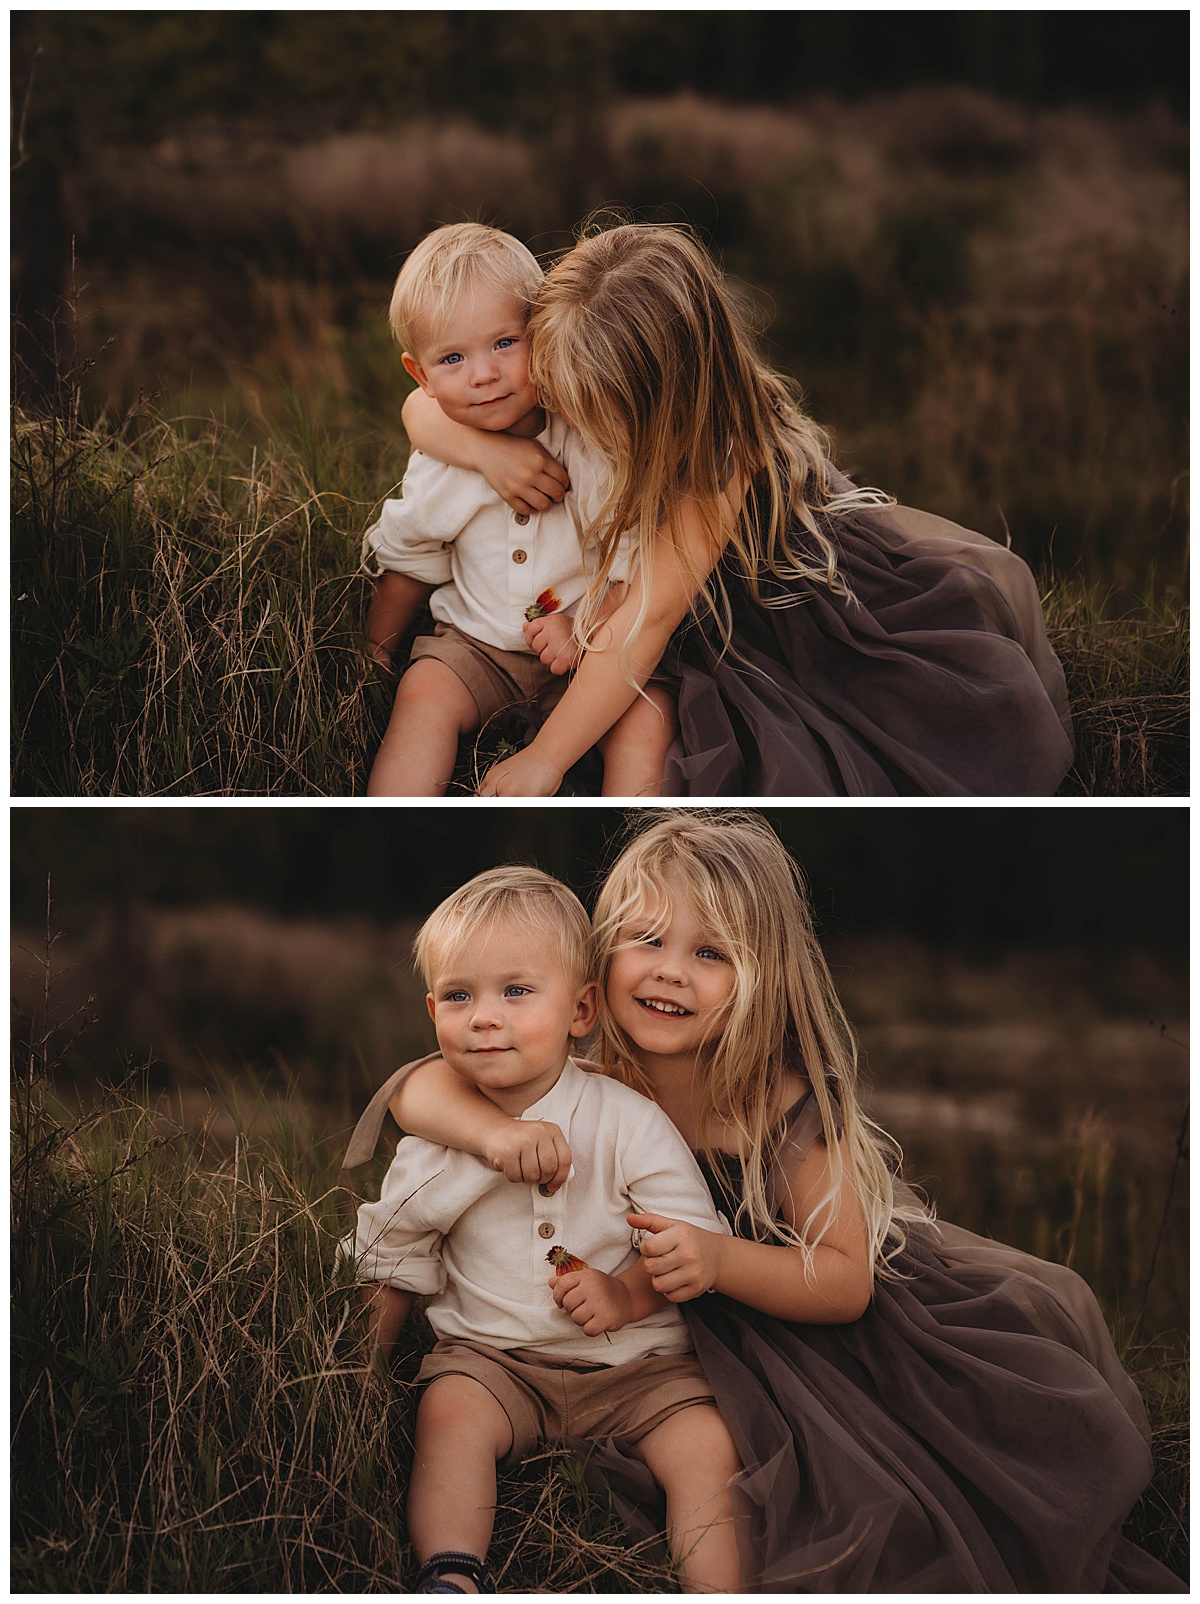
{"points": [[666, 987]]}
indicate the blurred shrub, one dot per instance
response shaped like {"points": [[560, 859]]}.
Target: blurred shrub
{"points": [[987, 303]]}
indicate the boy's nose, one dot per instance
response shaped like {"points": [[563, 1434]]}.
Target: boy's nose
{"points": [[484, 371]]}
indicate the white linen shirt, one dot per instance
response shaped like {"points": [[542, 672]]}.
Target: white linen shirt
{"points": [[450, 529], [448, 1224]]}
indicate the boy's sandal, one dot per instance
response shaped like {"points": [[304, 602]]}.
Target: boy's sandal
{"points": [[429, 1578]]}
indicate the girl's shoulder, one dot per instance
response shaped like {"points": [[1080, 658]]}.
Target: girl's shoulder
{"points": [[794, 1091]]}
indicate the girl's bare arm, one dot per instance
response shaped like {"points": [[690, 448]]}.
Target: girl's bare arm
{"points": [[685, 1261], [521, 472], [601, 690], [439, 1105]]}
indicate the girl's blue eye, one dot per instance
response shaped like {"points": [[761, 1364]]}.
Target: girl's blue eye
{"points": [[710, 952], [649, 941]]}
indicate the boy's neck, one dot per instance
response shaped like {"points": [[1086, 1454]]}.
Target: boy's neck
{"points": [[514, 1100], [530, 426]]}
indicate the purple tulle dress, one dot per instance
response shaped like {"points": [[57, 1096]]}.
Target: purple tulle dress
{"points": [[973, 1432], [933, 678]]}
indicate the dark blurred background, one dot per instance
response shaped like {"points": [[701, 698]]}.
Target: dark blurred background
{"points": [[965, 232], [1018, 978]]}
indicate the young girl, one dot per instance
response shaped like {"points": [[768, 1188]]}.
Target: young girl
{"points": [[916, 1409], [824, 642]]}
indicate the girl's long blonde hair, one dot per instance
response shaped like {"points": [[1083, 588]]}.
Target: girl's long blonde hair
{"points": [[638, 340], [782, 1017]]}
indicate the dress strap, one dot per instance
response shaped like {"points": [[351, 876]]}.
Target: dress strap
{"points": [[366, 1133]]}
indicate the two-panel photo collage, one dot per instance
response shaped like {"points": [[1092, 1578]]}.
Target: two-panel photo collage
{"points": [[600, 802]]}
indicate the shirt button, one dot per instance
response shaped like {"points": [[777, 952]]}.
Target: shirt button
{"points": [[545, 1229], [518, 556], [544, 1189], [522, 518]]}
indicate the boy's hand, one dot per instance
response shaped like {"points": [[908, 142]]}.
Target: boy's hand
{"points": [[683, 1260], [521, 472], [552, 638], [595, 1301], [530, 1150], [528, 773]]}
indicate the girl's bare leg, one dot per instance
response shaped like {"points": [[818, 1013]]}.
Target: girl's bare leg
{"points": [[692, 1458], [433, 708], [635, 749], [461, 1433]]}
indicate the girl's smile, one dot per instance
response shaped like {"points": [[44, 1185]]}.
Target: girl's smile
{"points": [[669, 982]]}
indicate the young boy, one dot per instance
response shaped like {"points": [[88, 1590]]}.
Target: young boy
{"points": [[525, 1355], [507, 582]]}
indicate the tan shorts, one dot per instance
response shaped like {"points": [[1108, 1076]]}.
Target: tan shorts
{"points": [[495, 678], [548, 1399]]}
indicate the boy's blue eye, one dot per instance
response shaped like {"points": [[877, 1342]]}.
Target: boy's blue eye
{"points": [[509, 339], [453, 359], [456, 996], [516, 991]]}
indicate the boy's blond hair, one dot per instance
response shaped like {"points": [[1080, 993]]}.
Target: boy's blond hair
{"points": [[458, 257], [525, 895]]}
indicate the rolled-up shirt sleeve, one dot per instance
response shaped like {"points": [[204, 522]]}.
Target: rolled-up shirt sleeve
{"points": [[398, 1240], [414, 531]]}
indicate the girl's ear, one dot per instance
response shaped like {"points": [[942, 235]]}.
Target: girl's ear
{"points": [[585, 1011], [414, 370]]}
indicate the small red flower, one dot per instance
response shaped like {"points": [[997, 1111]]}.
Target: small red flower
{"points": [[565, 1262], [547, 602]]}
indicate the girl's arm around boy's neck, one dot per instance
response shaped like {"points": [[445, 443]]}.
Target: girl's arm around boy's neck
{"points": [[521, 472], [435, 1103]]}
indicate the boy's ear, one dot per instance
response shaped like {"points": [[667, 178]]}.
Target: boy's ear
{"points": [[414, 369], [431, 1006], [586, 1007]]}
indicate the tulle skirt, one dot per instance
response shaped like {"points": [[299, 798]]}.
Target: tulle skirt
{"points": [[933, 677], [973, 1432]]}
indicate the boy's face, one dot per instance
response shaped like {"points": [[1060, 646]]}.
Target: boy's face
{"points": [[505, 1011], [477, 368]]}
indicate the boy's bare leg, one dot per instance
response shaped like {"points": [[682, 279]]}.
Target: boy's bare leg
{"points": [[635, 749], [692, 1458], [461, 1433], [433, 708]]}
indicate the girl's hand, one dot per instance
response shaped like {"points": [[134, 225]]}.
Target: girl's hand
{"points": [[595, 1301], [683, 1261], [530, 1150], [528, 773], [521, 472], [552, 638]]}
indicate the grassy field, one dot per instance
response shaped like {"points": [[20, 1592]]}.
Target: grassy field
{"points": [[192, 1407], [188, 619], [987, 303]]}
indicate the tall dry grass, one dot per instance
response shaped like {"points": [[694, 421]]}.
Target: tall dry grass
{"points": [[188, 619]]}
